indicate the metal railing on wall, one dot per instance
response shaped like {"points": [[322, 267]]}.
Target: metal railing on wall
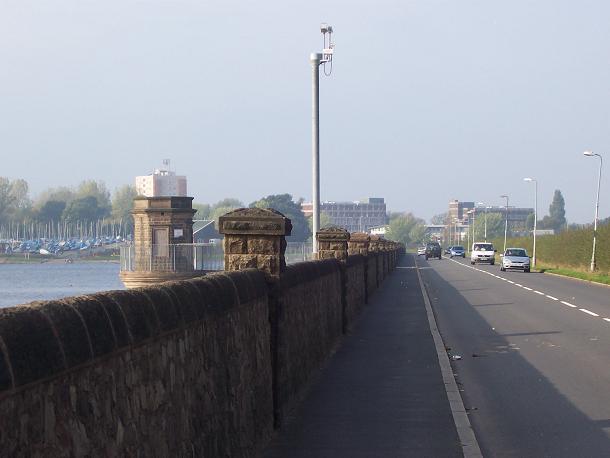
{"points": [[185, 257]]}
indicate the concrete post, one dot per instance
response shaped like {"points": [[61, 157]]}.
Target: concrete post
{"points": [[255, 238], [332, 243]]}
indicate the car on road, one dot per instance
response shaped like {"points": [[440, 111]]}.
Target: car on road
{"points": [[448, 249], [483, 252], [515, 258], [457, 251], [433, 250], [421, 251]]}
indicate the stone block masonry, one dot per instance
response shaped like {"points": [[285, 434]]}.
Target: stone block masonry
{"points": [[200, 367]]}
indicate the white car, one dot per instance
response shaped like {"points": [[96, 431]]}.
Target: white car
{"points": [[483, 252], [421, 251], [515, 258]]}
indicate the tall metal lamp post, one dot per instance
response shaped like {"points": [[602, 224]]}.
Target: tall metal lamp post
{"points": [[504, 196], [317, 59], [535, 216], [485, 209], [599, 180]]}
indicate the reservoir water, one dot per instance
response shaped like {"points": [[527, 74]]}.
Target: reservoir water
{"points": [[23, 283]]}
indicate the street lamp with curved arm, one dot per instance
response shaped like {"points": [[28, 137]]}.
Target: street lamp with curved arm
{"points": [[599, 180], [535, 216]]}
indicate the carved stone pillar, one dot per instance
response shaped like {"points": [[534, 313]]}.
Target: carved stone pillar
{"points": [[375, 243], [255, 238], [332, 243], [359, 243]]}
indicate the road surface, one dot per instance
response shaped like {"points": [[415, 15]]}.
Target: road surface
{"points": [[535, 357]]}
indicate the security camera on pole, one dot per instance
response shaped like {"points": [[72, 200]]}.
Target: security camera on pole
{"points": [[317, 59]]}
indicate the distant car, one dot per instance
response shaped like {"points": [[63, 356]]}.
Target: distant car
{"points": [[483, 252], [448, 250], [433, 250], [421, 251], [457, 251], [515, 258]]}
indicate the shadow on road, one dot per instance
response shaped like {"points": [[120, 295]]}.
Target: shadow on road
{"points": [[514, 409]]}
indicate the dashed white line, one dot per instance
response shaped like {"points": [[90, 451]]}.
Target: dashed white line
{"points": [[553, 298]]}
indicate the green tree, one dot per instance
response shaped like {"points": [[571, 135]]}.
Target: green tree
{"points": [[441, 218], [229, 202], [203, 211], [51, 211], [60, 194], [122, 203], [98, 190], [401, 225], [84, 209], [418, 234], [495, 226], [6, 199], [285, 205], [557, 212]]}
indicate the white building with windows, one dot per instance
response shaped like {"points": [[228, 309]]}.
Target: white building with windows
{"points": [[161, 183]]}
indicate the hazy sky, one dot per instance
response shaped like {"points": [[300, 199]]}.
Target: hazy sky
{"points": [[428, 100]]}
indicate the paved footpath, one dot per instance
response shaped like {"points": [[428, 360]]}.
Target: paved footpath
{"points": [[382, 394]]}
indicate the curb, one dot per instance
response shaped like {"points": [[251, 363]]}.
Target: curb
{"points": [[470, 446], [591, 282]]}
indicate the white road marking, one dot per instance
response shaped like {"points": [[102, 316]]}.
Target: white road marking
{"points": [[553, 298]]}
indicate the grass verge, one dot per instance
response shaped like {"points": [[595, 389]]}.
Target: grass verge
{"points": [[602, 278]]}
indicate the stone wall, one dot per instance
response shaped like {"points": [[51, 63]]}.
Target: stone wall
{"points": [[200, 367], [181, 369], [356, 290], [310, 322]]}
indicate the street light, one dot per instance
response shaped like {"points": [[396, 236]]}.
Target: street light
{"points": [[599, 180], [504, 196], [535, 216], [316, 59], [485, 206]]}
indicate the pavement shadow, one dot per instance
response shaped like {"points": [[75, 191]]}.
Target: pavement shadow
{"points": [[514, 409]]}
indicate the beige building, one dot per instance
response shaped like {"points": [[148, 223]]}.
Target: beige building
{"points": [[161, 183]]}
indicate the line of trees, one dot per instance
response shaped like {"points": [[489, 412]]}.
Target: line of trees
{"points": [[87, 210]]}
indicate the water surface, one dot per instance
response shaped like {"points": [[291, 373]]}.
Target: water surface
{"points": [[23, 283]]}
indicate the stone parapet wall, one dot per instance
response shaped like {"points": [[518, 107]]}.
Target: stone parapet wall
{"points": [[371, 273], [310, 322], [356, 288], [181, 369], [200, 367]]}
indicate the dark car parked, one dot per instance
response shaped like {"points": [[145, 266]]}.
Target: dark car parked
{"points": [[433, 250]]}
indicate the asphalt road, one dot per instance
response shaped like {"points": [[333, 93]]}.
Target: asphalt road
{"points": [[535, 348]]}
